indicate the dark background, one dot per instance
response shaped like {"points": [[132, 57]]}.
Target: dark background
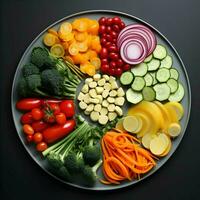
{"points": [[21, 21]]}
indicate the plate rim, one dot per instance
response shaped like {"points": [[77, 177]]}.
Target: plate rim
{"points": [[114, 12]]}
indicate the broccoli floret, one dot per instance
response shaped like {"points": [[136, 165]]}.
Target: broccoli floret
{"points": [[91, 153], [30, 69], [23, 87], [73, 162], [89, 174], [33, 81], [55, 160], [63, 172], [52, 81]]}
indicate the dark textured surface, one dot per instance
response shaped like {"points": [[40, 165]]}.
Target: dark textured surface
{"points": [[21, 21]]}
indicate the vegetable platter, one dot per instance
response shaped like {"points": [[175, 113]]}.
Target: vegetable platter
{"points": [[100, 100]]}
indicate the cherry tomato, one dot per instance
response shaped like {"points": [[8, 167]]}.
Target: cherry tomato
{"points": [[108, 44], [103, 53], [111, 71], [108, 29], [39, 126], [48, 114], [122, 25], [102, 29], [67, 107], [102, 21], [55, 108], [109, 21], [60, 118], [120, 63], [109, 38], [113, 56], [103, 41], [114, 40], [113, 64], [118, 71], [37, 137], [116, 20], [126, 67], [112, 48], [37, 114], [104, 61], [28, 103], [41, 146], [113, 34], [116, 28], [28, 129], [27, 118], [105, 68], [29, 138], [103, 35]]}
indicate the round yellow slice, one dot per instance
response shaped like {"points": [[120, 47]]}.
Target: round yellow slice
{"points": [[174, 129], [178, 108], [131, 123], [146, 140], [167, 150]]}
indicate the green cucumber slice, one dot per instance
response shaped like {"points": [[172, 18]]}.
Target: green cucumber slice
{"points": [[166, 62], [153, 74], [153, 64], [148, 79], [173, 84], [160, 52], [174, 73], [138, 83], [126, 78], [133, 96], [147, 59], [148, 94], [178, 95], [139, 70], [162, 91], [162, 75]]}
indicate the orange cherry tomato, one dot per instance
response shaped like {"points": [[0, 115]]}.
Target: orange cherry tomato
{"points": [[37, 137], [41, 146], [60, 118], [37, 114], [29, 138], [28, 129]]}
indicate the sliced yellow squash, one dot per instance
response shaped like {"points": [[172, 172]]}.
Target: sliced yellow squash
{"points": [[174, 129], [167, 150], [146, 140], [171, 112], [178, 108], [131, 123]]}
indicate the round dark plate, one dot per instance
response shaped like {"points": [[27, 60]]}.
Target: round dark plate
{"points": [[128, 19]]}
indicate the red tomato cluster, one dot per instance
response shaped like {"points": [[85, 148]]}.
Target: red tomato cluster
{"points": [[46, 121], [111, 62]]}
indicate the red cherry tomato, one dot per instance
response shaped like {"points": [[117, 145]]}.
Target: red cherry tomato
{"points": [[113, 34], [102, 21], [37, 113], [28, 103], [67, 107], [104, 61], [116, 28], [126, 67], [116, 20], [37, 137], [113, 64], [113, 56], [103, 41], [27, 118], [108, 29], [29, 138], [112, 48], [41, 146], [109, 38], [105, 68], [39, 126], [102, 29], [122, 25], [108, 44], [55, 108], [118, 71], [28, 129], [109, 21], [120, 63], [103, 35], [111, 71], [60, 118], [114, 40], [103, 53]]}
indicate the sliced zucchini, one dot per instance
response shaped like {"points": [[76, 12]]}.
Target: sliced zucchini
{"points": [[162, 91], [173, 84], [166, 62], [155, 81], [139, 70], [138, 83], [174, 74], [126, 78], [149, 94], [162, 75], [160, 52], [148, 79], [154, 64], [178, 95], [133, 97], [147, 59]]}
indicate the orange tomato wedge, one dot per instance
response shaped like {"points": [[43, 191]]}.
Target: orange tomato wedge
{"points": [[73, 49], [57, 50], [49, 39]]}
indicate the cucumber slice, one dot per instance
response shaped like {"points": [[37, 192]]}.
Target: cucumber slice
{"points": [[178, 95], [147, 59], [173, 84], [126, 78], [162, 75], [162, 91], [160, 52], [133, 97], [174, 74], [148, 79], [138, 83], [166, 62], [148, 94], [153, 74], [153, 64], [139, 70]]}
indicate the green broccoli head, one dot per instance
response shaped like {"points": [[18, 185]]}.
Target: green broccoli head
{"points": [[73, 163], [91, 154], [30, 69], [23, 87], [33, 81], [40, 57], [55, 160], [63, 173], [52, 81]]}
